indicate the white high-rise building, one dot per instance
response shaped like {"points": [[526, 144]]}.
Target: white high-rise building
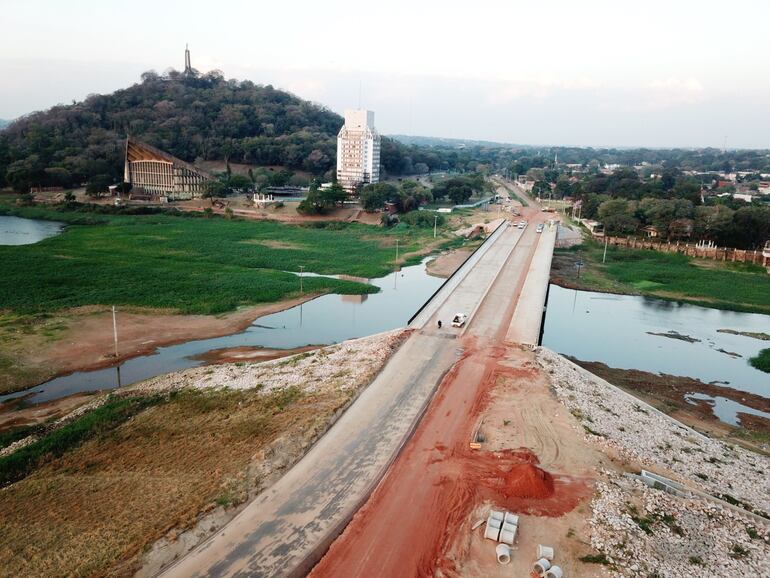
{"points": [[358, 150]]}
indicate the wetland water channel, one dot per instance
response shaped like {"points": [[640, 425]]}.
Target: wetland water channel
{"points": [[322, 321], [619, 330], [18, 231], [612, 329]]}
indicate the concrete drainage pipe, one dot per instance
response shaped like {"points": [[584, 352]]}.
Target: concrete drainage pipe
{"points": [[544, 552], [508, 534], [554, 572], [492, 531], [542, 566], [503, 554]]}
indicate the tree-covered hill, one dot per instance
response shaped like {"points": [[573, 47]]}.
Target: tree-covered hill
{"points": [[192, 117]]}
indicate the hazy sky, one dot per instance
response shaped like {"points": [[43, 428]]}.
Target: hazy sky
{"points": [[569, 72]]}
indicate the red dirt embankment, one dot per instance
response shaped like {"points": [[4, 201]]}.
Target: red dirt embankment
{"points": [[412, 519]]}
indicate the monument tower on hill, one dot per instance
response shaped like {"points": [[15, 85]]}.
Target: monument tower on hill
{"points": [[188, 70]]}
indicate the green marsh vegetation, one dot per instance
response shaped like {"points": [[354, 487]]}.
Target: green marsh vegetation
{"points": [[192, 264], [761, 361], [724, 285]]}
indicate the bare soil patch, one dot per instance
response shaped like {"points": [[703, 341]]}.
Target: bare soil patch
{"points": [[82, 339], [447, 263], [16, 414], [252, 354], [529, 462]]}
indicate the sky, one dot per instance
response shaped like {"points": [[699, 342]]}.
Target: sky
{"points": [[673, 73]]}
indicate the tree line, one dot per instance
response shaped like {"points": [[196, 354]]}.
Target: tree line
{"points": [[677, 207]]}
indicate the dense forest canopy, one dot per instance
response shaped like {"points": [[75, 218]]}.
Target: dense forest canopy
{"points": [[190, 116], [677, 206], [207, 117]]}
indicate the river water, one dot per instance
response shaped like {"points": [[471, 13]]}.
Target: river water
{"points": [[617, 330], [18, 231], [325, 320], [613, 329]]}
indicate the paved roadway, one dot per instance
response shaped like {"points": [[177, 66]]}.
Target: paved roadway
{"points": [[286, 529], [527, 317]]}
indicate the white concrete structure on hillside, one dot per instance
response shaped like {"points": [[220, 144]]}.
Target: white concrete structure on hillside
{"points": [[358, 150]]}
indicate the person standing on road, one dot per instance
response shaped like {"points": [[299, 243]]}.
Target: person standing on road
{"points": [[439, 323]]}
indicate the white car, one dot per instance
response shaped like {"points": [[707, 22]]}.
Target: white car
{"points": [[522, 224], [539, 228], [459, 320]]}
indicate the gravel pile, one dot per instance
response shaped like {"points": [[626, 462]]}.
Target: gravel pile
{"points": [[647, 533], [615, 419], [347, 365]]}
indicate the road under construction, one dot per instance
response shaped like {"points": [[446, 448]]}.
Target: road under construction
{"points": [[371, 472]]}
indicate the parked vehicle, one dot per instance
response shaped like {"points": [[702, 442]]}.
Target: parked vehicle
{"points": [[459, 320], [522, 224], [539, 228]]}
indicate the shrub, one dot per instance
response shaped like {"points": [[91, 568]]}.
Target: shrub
{"points": [[423, 219], [761, 361]]}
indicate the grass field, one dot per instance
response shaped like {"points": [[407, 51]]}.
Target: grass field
{"points": [[190, 264], [736, 286], [123, 483]]}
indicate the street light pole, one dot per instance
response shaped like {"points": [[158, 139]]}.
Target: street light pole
{"points": [[606, 240], [435, 222]]}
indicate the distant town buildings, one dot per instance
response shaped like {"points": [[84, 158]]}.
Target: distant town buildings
{"points": [[358, 150], [154, 173]]}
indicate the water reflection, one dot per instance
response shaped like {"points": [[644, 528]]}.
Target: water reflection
{"points": [[726, 409], [18, 231], [614, 330]]}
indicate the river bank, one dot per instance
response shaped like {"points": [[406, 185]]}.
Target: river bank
{"points": [[691, 401], [82, 339], [639, 531], [220, 435], [673, 277]]}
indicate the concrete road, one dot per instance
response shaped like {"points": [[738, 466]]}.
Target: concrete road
{"points": [[525, 324], [285, 530]]}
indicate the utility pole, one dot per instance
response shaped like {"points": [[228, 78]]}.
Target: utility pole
{"points": [[115, 331], [435, 222], [301, 270], [606, 240], [395, 269]]}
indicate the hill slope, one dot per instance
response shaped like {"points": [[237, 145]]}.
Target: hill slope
{"points": [[203, 116]]}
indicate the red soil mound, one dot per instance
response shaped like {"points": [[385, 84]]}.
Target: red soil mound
{"points": [[528, 481]]}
